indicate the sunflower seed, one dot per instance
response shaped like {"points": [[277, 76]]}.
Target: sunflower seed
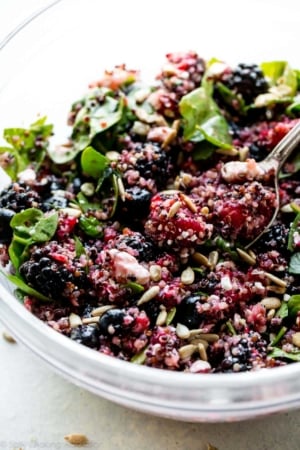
{"points": [[202, 352], [174, 209], [286, 208], [122, 192], [271, 302], [276, 289], [101, 310], [189, 202], [296, 339], [148, 295], [271, 314], [90, 320], [196, 341], [243, 153], [161, 318], [182, 331], [213, 258], [188, 276], [227, 151], [208, 337], [8, 337], [246, 257], [74, 320], [276, 280], [200, 259], [186, 351], [73, 212], [76, 439]]}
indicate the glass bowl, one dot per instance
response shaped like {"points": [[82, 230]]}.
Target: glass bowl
{"points": [[46, 63]]}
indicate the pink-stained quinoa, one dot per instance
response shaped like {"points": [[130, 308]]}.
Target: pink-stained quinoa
{"points": [[138, 244]]}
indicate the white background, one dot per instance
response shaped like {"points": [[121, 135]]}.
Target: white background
{"points": [[37, 407]]}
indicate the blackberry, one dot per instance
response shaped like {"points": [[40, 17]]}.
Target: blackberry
{"points": [[187, 313], [247, 80], [137, 245], [240, 353], [87, 335], [112, 322], [147, 161], [136, 204], [19, 196], [182, 72], [5, 230], [275, 238], [46, 276]]}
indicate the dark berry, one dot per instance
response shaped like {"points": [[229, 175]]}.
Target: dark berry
{"points": [[187, 313], [112, 322], [276, 238], [5, 230], [87, 335], [137, 203], [152, 309], [152, 163], [19, 196], [46, 276], [136, 244], [247, 80]]}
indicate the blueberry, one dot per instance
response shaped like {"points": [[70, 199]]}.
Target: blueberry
{"points": [[187, 313], [112, 322], [152, 309], [87, 335], [137, 203], [5, 230]]}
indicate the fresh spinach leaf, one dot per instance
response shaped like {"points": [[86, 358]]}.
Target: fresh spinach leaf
{"points": [[93, 163], [294, 265], [279, 353], [91, 226], [295, 227], [29, 227], [202, 120], [25, 288], [293, 305], [28, 147]]}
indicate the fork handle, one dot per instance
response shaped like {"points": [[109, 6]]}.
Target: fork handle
{"points": [[285, 147]]}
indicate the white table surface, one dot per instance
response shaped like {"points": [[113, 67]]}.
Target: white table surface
{"points": [[38, 408]]}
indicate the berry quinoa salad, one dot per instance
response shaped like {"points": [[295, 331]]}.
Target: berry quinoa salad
{"points": [[127, 239]]}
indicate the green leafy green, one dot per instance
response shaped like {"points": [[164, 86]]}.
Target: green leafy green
{"points": [[139, 358], [95, 114], [28, 147], [91, 226], [283, 311], [136, 288], [280, 73], [29, 227], [171, 314], [96, 165], [202, 120], [24, 288], [283, 83], [232, 99], [279, 353], [279, 336], [294, 228], [294, 305], [294, 265]]}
